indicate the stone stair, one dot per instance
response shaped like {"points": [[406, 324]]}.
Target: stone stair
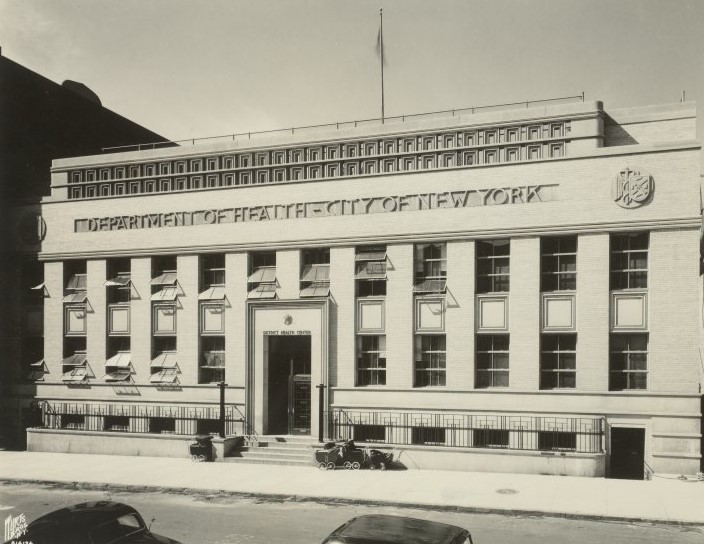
{"points": [[276, 450]]}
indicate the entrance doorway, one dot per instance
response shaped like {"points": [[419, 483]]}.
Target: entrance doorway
{"points": [[627, 453], [288, 392]]}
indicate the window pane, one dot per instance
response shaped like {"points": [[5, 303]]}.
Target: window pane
{"points": [[567, 379], [568, 361], [500, 379], [638, 342], [500, 342], [639, 361], [568, 282], [638, 380], [639, 280], [501, 360]]}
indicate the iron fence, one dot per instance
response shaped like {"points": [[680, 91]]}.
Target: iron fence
{"points": [[142, 418], [467, 430]]}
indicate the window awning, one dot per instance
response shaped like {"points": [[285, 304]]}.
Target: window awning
{"points": [[316, 272], [78, 374], [76, 298], [38, 365], [164, 376], [167, 293], [371, 270], [117, 376], [430, 286], [264, 274], [121, 360], [264, 290], [214, 359], [316, 290], [371, 255], [77, 359], [213, 293], [77, 282], [37, 287], [121, 280], [166, 359], [168, 278]]}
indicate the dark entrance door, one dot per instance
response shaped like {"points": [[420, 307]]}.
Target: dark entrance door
{"points": [[627, 453], [289, 385]]}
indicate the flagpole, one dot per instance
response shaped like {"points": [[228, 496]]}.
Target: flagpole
{"points": [[381, 41]]}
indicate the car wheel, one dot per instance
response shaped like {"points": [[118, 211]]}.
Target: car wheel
{"points": [[356, 465], [330, 465]]}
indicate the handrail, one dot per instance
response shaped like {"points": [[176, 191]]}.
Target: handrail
{"points": [[648, 471], [340, 124]]}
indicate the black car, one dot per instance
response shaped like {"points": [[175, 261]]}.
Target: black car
{"points": [[380, 529], [102, 522]]}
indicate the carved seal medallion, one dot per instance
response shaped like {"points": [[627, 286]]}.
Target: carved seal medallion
{"points": [[632, 188]]}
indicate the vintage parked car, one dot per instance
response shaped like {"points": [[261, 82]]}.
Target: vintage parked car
{"points": [[382, 529], [102, 522]]}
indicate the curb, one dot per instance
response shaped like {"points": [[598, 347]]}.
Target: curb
{"points": [[321, 499]]}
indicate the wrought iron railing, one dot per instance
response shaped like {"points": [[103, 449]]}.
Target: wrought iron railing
{"points": [[468, 430], [143, 418]]}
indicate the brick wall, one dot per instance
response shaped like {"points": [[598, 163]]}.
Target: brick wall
{"points": [[399, 311]]}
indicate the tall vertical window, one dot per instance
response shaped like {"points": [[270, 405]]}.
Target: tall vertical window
{"points": [[119, 281], [212, 359], [558, 361], [493, 266], [492, 360], [429, 360], [628, 362], [371, 360], [261, 282], [370, 270], [430, 268], [213, 270], [315, 272], [629, 261], [558, 263]]}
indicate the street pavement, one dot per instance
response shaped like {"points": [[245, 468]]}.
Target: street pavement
{"points": [[662, 499], [216, 519]]}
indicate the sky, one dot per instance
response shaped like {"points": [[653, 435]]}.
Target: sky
{"points": [[187, 68]]}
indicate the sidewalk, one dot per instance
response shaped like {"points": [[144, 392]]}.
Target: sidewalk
{"points": [[661, 499]]}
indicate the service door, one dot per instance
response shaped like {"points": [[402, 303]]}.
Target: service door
{"points": [[627, 457]]}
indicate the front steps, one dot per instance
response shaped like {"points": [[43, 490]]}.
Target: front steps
{"points": [[292, 450]]}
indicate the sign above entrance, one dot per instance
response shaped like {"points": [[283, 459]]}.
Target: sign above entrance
{"points": [[522, 194], [286, 333]]}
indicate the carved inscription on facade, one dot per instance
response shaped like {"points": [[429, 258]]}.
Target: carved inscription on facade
{"points": [[329, 208]]}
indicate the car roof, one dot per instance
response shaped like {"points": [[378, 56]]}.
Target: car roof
{"points": [[85, 514], [397, 529]]}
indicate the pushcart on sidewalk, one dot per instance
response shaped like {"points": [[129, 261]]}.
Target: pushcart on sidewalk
{"points": [[345, 453], [202, 449]]}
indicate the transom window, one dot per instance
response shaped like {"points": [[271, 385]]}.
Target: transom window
{"points": [[558, 263], [430, 355], [492, 360], [628, 362], [493, 266], [558, 361], [629, 261], [371, 360]]}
